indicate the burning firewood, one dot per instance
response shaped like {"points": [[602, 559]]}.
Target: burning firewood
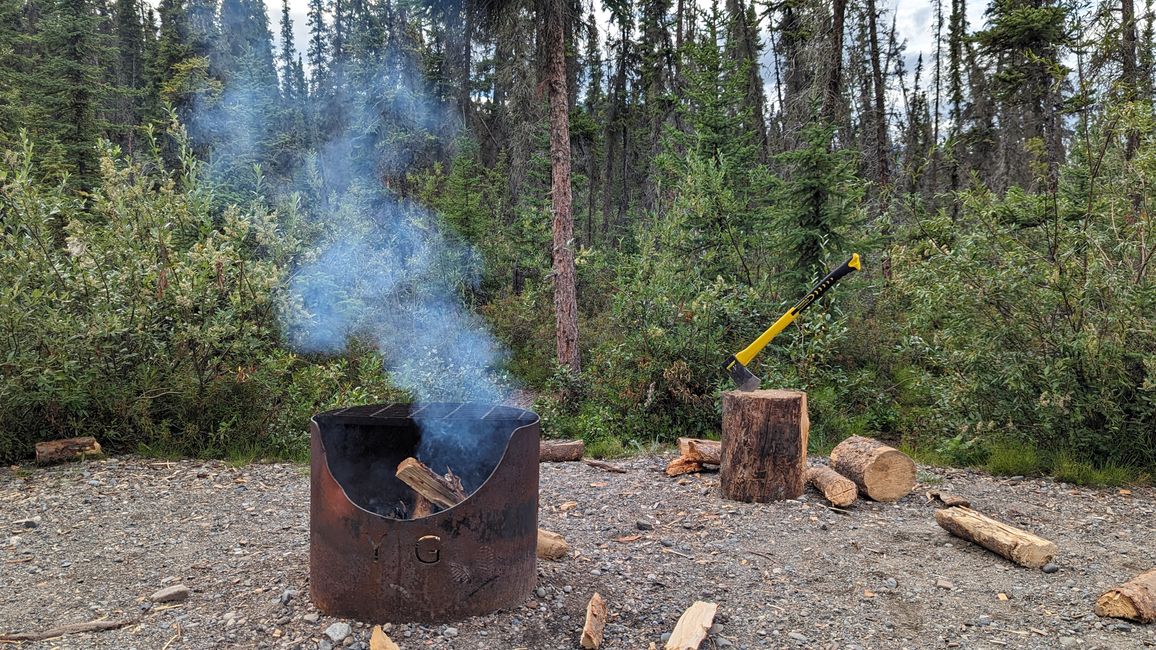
{"points": [[446, 491]]}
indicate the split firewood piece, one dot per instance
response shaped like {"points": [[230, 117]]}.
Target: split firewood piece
{"points": [[693, 455], [421, 507], [1134, 600], [1019, 546], [707, 452], [73, 628], [445, 491], [836, 488], [379, 640], [57, 451], [680, 466], [948, 500], [882, 473], [692, 626], [558, 451], [551, 546], [595, 621]]}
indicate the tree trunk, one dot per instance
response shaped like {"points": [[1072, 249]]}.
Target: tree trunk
{"points": [[55, 451], [565, 283], [1130, 70], [879, 113], [764, 445], [881, 472], [831, 99]]}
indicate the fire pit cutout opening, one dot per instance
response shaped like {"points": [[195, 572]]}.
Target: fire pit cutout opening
{"points": [[370, 561]]}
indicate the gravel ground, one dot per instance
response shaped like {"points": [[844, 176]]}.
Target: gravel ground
{"points": [[106, 534]]}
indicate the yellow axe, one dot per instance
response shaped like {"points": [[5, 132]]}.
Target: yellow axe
{"points": [[736, 365]]}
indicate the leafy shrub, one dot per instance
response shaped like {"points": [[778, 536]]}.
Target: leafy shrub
{"points": [[138, 315], [1026, 317]]}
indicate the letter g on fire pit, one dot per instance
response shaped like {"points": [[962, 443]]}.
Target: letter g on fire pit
{"points": [[369, 561]]}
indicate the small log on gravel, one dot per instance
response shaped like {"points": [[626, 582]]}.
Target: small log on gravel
{"points": [[558, 451], [764, 445], [1015, 544], [836, 488], [947, 500], [692, 626], [595, 622], [551, 546], [882, 473], [445, 491], [52, 633], [58, 451], [1134, 600]]}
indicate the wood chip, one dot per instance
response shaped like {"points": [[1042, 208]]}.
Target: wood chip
{"points": [[692, 626], [595, 621], [379, 640]]}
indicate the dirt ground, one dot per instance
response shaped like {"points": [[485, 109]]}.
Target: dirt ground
{"points": [[104, 535]]}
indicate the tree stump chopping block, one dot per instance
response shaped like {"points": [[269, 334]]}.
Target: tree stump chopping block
{"points": [[764, 445]]}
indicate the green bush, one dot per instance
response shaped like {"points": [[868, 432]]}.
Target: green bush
{"points": [[138, 315], [1029, 316]]}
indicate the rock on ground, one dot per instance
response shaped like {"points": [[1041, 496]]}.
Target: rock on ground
{"points": [[113, 531]]}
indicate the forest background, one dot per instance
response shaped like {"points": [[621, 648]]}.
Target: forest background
{"points": [[196, 220]]}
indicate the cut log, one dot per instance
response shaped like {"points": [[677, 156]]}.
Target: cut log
{"points": [[595, 622], [764, 445], [882, 473], [836, 488], [1134, 600], [445, 491], [1015, 544], [557, 451], [707, 452], [57, 451], [692, 626], [551, 546]]}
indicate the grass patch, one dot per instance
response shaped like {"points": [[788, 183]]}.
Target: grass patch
{"points": [[1013, 458], [1070, 470], [606, 448]]}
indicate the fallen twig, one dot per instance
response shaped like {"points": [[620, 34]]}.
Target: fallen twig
{"points": [[605, 466], [51, 633]]}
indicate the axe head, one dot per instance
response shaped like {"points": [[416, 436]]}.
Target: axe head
{"points": [[743, 378]]}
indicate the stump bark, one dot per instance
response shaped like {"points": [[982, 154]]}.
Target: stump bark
{"points": [[764, 445], [882, 473]]}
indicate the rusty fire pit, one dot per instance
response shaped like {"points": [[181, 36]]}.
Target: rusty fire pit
{"points": [[368, 562]]}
